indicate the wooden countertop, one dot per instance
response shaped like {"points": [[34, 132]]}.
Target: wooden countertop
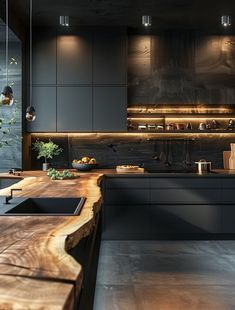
{"points": [[36, 272]]}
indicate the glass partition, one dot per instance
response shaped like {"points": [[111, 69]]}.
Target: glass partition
{"points": [[10, 116]]}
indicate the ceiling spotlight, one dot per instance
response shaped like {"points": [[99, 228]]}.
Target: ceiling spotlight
{"points": [[64, 21], [226, 20], [146, 20]]}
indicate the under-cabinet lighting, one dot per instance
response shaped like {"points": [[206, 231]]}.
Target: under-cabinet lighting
{"points": [[226, 20], [146, 20], [64, 21]]}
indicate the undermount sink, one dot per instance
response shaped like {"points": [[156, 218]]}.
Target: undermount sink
{"points": [[48, 206]]}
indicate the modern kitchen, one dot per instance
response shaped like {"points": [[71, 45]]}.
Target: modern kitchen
{"points": [[117, 155]]}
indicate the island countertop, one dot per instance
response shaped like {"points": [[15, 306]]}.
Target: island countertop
{"points": [[36, 271]]}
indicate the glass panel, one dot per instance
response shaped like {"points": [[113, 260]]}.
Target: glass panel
{"points": [[11, 154]]}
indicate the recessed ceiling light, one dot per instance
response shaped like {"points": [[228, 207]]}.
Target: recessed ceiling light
{"points": [[226, 20], [146, 20], [64, 21]]}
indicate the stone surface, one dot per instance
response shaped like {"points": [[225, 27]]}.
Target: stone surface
{"points": [[166, 275]]}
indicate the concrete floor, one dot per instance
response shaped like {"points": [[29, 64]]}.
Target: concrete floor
{"points": [[166, 275]]}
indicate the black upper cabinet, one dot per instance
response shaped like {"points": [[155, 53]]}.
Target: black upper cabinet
{"points": [[44, 56], [109, 109], [74, 109], [109, 57], [74, 57], [44, 102]]}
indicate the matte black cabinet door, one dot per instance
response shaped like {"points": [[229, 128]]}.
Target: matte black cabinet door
{"points": [[74, 58], [228, 219], [109, 57], [74, 109], [109, 109], [44, 102], [185, 196], [124, 183], [44, 57], [185, 219], [130, 196], [126, 222]]}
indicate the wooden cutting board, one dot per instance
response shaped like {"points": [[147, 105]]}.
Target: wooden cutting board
{"points": [[226, 156]]}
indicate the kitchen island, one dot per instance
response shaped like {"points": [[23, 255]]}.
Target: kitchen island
{"points": [[36, 270]]}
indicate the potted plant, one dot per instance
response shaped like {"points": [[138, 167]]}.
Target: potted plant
{"points": [[47, 150]]}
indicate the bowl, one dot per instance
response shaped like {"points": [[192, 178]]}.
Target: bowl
{"points": [[84, 167]]}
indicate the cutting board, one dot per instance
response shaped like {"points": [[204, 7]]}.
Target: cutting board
{"points": [[123, 169], [226, 156]]}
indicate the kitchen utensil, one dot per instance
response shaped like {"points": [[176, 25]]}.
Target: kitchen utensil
{"points": [[155, 156], [202, 126], [142, 127], [231, 124], [170, 127], [186, 161], [162, 155], [170, 155], [180, 126], [189, 126], [226, 156], [167, 163], [203, 166]]}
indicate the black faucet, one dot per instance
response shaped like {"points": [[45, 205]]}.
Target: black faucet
{"points": [[8, 198]]}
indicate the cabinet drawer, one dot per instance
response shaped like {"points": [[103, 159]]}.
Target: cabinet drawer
{"points": [[127, 183], [228, 183], [126, 222], [228, 195], [228, 219], [191, 196], [126, 196], [185, 219], [185, 183]]}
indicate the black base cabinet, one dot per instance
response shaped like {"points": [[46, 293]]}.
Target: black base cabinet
{"points": [[184, 219], [163, 208]]}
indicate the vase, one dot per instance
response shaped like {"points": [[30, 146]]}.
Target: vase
{"points": [[45, 166], [232, 157]]}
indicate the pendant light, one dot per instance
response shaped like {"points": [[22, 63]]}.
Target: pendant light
{"points": [[30, 112], [6, 97]]}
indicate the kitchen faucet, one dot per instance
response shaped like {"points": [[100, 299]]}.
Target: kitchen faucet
{"points": [[8, 198]]}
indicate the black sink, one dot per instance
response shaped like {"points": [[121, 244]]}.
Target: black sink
{"points": [[48, 206]]}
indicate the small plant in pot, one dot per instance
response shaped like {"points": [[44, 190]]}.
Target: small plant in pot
{"points": [[46, 150]]}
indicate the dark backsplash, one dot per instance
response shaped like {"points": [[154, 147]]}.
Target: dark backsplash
{"points": [[112, 151]]}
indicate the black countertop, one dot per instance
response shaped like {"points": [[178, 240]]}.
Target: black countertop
{"points": [[217, 173]]}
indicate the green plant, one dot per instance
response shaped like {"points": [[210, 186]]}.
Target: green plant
{"points": [[7, 134], [60, 175], [47, 150]]}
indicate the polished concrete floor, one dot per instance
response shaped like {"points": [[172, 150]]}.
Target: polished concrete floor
{"points": [[166, 275]]}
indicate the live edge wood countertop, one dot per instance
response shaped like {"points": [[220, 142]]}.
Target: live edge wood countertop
{"points": [[36, 272]]}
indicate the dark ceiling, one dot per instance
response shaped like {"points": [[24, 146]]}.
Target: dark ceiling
{"points": [[189, 14]]}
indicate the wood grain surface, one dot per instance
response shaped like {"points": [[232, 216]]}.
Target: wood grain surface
{"points": [[36, 272]]}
